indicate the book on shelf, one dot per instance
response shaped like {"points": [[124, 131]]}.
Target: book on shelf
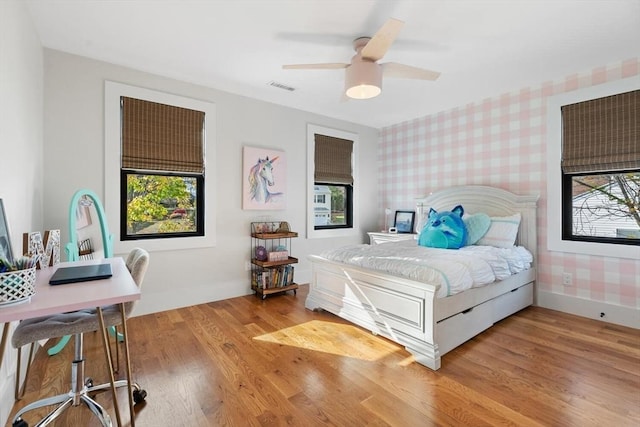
{"points": [[273, 277]]}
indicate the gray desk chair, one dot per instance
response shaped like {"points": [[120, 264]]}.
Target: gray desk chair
{"points": [[76, 323]]}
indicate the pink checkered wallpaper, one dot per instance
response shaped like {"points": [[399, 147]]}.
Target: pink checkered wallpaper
{"points": [[501, 142]]}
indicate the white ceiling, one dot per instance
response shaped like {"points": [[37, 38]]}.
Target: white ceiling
{"points": [[482, 48]]}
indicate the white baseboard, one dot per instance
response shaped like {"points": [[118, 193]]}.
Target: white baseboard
{"points": [[606, 312], [154, 301]]}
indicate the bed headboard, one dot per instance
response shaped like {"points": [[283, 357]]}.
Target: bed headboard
{"points": [[492, 201]]}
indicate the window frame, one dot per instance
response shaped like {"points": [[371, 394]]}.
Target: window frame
{"points": [[568, 217], [112, 199], [199, 217], [555, 241], [340, 231], [349, 212]]}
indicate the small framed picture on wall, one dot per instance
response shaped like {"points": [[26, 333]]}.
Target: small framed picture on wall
{"points": [[404, 221]]}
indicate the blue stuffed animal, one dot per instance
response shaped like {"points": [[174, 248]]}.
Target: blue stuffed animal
{"points": [[444, 230]]}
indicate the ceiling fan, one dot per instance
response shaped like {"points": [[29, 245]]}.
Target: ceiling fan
{"points": [[363, 76]]}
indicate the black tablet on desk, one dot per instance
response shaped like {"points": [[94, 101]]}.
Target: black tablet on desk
{"points": [[81, 273]]}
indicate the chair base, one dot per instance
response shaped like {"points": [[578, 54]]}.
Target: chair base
{"points": [[71, 399], [81, 388], [64, 402]]}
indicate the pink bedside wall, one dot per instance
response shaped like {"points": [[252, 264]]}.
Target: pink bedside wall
{"points": [[501, 142]]}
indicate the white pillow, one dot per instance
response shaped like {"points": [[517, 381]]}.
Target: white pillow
{"points": [[477, 226], [502, 232]]}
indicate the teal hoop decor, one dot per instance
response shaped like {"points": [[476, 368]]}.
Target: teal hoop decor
{"points": [[72, 250]]}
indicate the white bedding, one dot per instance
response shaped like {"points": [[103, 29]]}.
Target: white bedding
{"points": [[452, 271]]}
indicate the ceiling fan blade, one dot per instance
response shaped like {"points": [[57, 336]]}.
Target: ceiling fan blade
{"points": [[382, 40], [327, 66], [393, 69]]}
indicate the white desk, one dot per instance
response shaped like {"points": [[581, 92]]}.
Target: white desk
{"points": [[48, 300]]}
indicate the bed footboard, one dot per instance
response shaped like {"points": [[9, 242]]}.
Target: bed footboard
{"points": [[408, 313], [396, 308]]}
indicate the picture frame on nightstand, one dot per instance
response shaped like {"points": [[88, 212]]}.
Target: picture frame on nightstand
{"points": [[404, 221]]}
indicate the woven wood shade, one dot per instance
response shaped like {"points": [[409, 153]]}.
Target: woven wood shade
{"points": [[159, 137], [602, 135], [333, 160]]}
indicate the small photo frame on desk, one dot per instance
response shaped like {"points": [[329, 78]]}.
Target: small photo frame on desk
{"points": [[404, 221], [5, 241]]}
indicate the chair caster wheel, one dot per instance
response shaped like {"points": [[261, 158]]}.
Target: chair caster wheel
{"points": [[139, 395], [89, 382], [20, 423]]}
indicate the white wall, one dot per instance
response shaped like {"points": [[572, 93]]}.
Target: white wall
{"points": [[74, 150], [20, 145]]}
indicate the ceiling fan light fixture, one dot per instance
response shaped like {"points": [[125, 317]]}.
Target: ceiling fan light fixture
{"points": [[363, 76], [363, 91], [363, 80]]}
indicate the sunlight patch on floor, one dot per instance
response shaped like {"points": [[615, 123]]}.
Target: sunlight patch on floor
{"points": [[407, 361], [334, 338]]}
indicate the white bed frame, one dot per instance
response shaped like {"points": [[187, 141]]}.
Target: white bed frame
{"points": [[407, 311]]}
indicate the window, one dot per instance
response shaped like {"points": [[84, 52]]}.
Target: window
{"points": [[162, 174], [331, 168], [339, 207], [601, 170], [554, 126], [156, 184], [333, 181], [602, 207], [160, 205]]}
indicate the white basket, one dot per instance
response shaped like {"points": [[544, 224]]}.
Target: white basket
{"points": [[17, 286]]}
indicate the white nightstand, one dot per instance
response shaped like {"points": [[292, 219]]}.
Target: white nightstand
{"points": [[375, 238]]}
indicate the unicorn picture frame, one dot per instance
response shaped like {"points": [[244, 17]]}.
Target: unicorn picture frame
{"points": [[264, 178]]}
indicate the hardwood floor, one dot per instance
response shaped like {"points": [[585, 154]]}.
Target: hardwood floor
{"points": [[249, 362]]}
